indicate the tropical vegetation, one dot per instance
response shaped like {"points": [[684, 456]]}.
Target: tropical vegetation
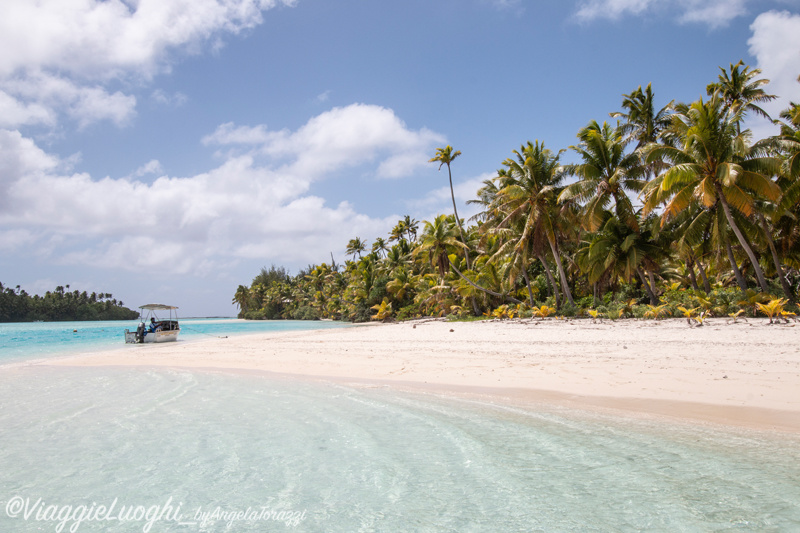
{"points": [[671, 211], [16, 305]]}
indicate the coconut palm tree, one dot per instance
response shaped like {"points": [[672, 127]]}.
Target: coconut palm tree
{"points": [[606, 174], [712, 163], [740, 92], [528, 194], [437, 241], [618, 251], [445, 156], [642, 123], [379, 246], [241, 298], [355, 247]]}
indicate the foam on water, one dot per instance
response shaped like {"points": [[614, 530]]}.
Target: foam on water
{"points": [[372, 459]]}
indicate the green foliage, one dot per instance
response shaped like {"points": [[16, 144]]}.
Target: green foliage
{"points": [[549, 234], [16, 305]]}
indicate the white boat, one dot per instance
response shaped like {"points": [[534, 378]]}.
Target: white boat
{"points": [[153, 329]]}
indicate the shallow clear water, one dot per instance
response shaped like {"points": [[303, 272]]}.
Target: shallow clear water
{"points": [[21, 341], [199, 447], [368, 459]]}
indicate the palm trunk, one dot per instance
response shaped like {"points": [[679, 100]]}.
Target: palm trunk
{"points": [[652, 278], [749, 251], [738, 273], [692, 277], [487, 291], [561, 274], [528, 285], [551, 279], [787, 289], [650, 293], [461, 231], [706, 284]]}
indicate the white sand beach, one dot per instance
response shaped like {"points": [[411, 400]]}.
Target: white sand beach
{"points": [[745, 373]]}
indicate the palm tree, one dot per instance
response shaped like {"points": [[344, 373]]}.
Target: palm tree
{"points": [[642, 123], [438, 239], [411, 225], [618, 251], [241, 298], [445, 156], [740, 92], [605, 175], [355, 247], [528, 193], [712, 163], [380, 246]]}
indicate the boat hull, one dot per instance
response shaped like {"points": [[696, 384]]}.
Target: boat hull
{"points": [[152, 337]]}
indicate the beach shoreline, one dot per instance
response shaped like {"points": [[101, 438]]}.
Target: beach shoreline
{"points": [[744, 374]]}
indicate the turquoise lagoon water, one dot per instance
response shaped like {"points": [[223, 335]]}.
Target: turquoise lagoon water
{"points": [[168, 450], [22, 341]]}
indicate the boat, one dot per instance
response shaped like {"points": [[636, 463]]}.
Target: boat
{"points": [[153, 329]]}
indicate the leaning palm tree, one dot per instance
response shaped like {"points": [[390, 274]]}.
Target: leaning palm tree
{"points": [[241, 299], [606, 174], [712, 162]]}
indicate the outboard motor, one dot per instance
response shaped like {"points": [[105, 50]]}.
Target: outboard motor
{"points": [[140, 333]]}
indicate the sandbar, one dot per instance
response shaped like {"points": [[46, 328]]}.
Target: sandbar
{"points": [[744, 374]]}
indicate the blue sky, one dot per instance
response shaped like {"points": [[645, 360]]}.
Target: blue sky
{"points": [[165, 150]]}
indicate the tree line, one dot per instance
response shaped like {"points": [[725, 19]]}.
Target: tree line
{"points": [[676, 209], [16, 305]]}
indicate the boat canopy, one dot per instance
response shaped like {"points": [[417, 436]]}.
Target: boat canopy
{"points": [[157, 307]]}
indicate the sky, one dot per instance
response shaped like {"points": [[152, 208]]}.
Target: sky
{"points": [[167, 150]]}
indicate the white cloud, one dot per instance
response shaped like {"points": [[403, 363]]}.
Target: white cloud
{"points": [[714, 13], [775, 44], [57, 56], [151, 167], [611, 9], [323, 97], [230, 134], [14, 113], [340, 138], [177, 99], [253, 204], [102, 39]]}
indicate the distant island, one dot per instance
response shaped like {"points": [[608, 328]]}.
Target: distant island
{"points": [[16, 305]]}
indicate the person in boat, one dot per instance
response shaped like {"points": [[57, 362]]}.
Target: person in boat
{"points": [[154, 326]]}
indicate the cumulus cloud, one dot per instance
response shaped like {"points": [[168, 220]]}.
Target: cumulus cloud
{"points": [[714, 13], [775, 43], [254, 203], [339, 138], [58, 56]]}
